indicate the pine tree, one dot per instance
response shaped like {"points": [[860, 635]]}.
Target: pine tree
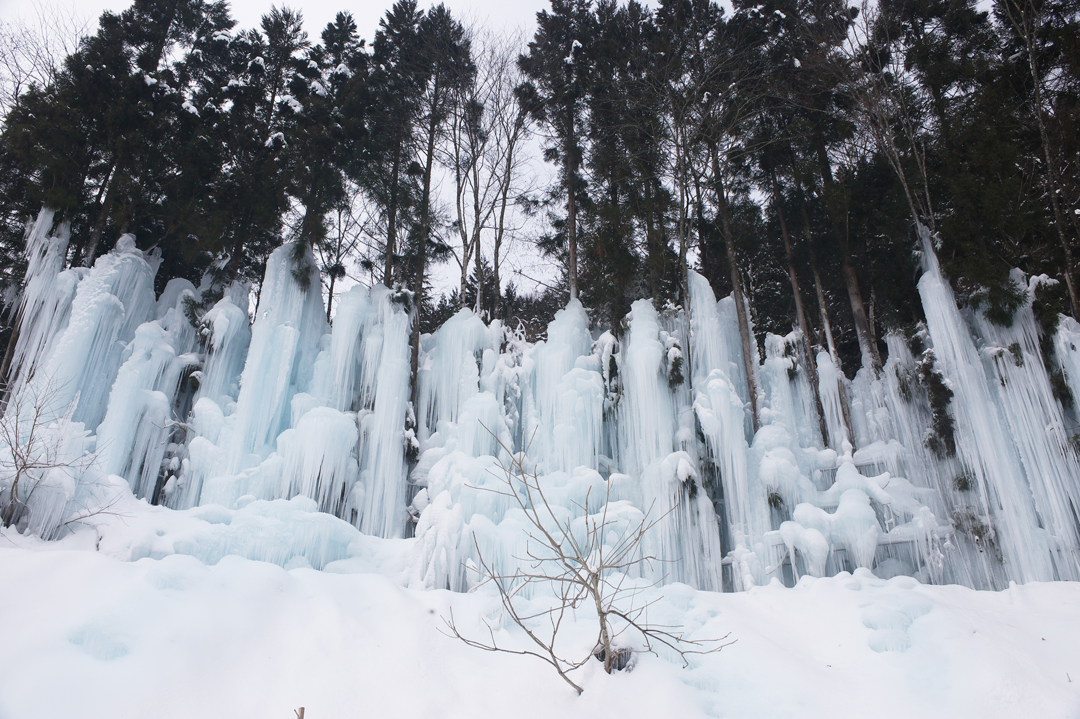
{"points": [[558, 70]]}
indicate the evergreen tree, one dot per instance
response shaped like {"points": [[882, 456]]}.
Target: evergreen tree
{"points": [[558, 69]]}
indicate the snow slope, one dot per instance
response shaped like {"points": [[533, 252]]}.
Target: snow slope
{"points": [[86, 634]]}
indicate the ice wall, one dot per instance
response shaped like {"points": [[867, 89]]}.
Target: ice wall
{"points": [[110, 303], [645, 423], [1036, 425], [290, 321], [45, 302], [1002, 508]]}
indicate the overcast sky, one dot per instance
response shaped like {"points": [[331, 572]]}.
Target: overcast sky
{"points": [[317, 13]]}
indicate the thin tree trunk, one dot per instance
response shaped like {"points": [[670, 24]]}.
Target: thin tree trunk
{"points": [[571, 206], [684, 238], [804, 327], [330, 296], [1051, 173], [425, 228], [654, 257], [464, 279], [845, 411], [748, 353], [870, 356], [500, 232], [391, 217], [103, 214], [479, 220], [479, 274]]}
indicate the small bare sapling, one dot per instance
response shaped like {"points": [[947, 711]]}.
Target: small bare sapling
{"points": [[587, 564]]}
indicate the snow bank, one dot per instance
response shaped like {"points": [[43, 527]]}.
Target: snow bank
{"points": [[173, 637]]}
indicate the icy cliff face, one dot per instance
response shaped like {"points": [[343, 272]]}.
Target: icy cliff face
{"points": [[953, 464]]}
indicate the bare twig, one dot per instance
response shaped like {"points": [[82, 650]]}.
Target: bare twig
{"points": [[580, 570]]}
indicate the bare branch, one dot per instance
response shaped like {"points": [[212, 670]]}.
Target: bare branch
{"points": [[577, 569]]}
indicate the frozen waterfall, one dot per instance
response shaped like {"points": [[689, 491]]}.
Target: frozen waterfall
{"points": [[648, 422]]}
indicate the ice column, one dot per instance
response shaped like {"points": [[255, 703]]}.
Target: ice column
{"points": [[45, 302], [1002, 511], [132, 438], [451, 402], [381, 508], [564, 401], [289, 324], [722, 417], [229, 335], [686, 539], [110, 303]]}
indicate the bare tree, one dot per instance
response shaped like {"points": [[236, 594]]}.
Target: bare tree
{"points": [[32, 51], [1029, 21], [880, 85], [485, 154], [583, 569], [353, 220], [41, 454]]}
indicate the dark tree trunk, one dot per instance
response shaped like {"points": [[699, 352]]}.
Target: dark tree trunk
{"points": [[809, 358], [90, 252], [570, 168], [425, 228], [391, 217], [870, 356], [748, 353]]}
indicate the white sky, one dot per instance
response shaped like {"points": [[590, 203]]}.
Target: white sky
{"points": [[317, 13]]}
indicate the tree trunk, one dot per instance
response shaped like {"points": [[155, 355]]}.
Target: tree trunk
{"points": [[570, 163], [870, 357], [479, 273], [653, 257], [748, 353], [1051, 177], [425, 228], [500, 232], [804, 327], [464, 279], [845, 411], [684, 239], [330, 296], [391, 217], [103, 215]]}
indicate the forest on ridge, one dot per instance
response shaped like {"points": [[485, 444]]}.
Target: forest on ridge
{"points": [[789, 151]]}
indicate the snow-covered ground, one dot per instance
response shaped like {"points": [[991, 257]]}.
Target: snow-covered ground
{"points": [[123, 621]]}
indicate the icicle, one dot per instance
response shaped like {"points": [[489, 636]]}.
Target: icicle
{"points": [[829, 380], [110, 303], [229, 335], [289, 324], [1036, 426], [564, 400], [45, 303], [687, 534], [382, 446], [722, 416], [133, 436], [1001, 514], [319, 459]]}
